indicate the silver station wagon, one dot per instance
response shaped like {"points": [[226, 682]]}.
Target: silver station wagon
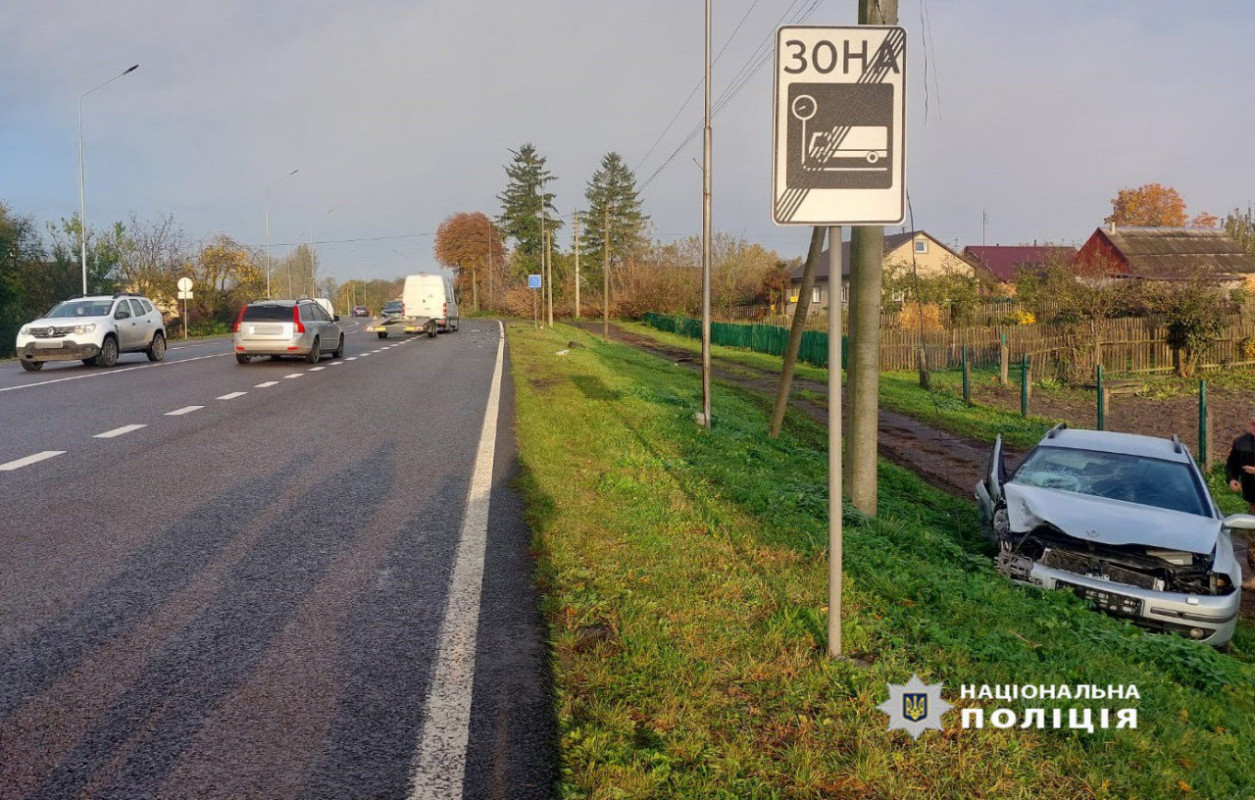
{"points": [[1122, 520], [287, 328]]}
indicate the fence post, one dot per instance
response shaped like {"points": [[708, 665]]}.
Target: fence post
{"points": [[1102, 402], [1004, 361], [1204, 447], [1024, 368], [967, 378]]}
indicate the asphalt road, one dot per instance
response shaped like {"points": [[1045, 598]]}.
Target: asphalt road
{"points": [[226, 581]]}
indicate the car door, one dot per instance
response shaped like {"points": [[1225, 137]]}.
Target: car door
{"points": [[124, 324], [143, 324], [989, 490], [326, 337]]}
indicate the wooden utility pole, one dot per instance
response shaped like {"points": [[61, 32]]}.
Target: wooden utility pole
{"points": [[605, 277], [575, 218], [548, 279], [800, 312], [490, 262], [866, 265]]}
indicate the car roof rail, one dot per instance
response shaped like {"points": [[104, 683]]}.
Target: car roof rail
{"points": [[1053, 432], [1176, 444]]}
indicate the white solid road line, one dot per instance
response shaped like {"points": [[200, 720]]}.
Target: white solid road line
{"points": [[178, 412], [440, 767], [118, 431], [33, 459], [232, 395], [111, 372], [266, 384]]}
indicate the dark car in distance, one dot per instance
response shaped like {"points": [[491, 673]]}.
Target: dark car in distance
{"points": [[361, 311]]}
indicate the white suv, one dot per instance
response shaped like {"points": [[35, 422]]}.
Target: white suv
{"points": [[94, 330]]}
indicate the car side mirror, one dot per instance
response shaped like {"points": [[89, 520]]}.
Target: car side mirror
{"points": [[1240, 522]]}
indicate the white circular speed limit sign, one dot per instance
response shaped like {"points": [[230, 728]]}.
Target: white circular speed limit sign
{"points": [[185, 284]]}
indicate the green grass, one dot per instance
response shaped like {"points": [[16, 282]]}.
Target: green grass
{"points": [[684, 577], [899, 391]]}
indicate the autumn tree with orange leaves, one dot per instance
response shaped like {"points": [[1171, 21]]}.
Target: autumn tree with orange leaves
{"points": [[471, 245], [1151, 206]]}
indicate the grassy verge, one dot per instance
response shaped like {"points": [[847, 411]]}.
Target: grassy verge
{"points": [[684, 577], [899, 391]]}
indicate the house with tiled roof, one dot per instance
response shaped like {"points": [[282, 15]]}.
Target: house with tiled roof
{"points": [[1164, 254], [912, 249], [1001, 263]]}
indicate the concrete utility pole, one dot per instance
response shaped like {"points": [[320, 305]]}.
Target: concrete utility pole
{"points": [[703, 418], [605, 277], [575, 218], [867, 244]]}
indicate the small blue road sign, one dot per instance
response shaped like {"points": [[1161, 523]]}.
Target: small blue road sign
{"points": [[533, 281]]}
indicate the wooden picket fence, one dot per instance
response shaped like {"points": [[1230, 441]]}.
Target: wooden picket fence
{"points": [[1135, 345]]}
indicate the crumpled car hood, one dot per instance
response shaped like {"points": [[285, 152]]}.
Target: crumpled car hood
{"points": [[1110, 522]]}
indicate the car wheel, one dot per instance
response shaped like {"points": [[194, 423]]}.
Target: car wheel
{"points": [[240, 358], [431, 329], [32, 366], [315, 352], [383, 334], [108, 353], [157, 350], [339, 353]]}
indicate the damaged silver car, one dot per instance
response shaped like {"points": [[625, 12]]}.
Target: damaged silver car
{"points": [[1122, 520]]}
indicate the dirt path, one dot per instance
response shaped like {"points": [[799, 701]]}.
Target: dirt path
{"points": [[950, 462]]}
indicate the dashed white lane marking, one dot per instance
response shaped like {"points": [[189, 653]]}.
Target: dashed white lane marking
{"points": [[107, 373], [336, 363], [178, 412], [315, 369], [293, 375], [354, 358], [232, 395], [32, 459], [363, 355], [266, 385], [118, 431], [441, 763]]}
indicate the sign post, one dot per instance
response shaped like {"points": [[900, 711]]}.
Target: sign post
{"points": [[185, 294], [840, 151]]}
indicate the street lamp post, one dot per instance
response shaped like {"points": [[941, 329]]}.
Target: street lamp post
{"points": [[82, 192], [268, 188]]}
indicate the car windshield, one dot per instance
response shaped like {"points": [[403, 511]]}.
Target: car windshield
{"points": [[80, 308], [1133, 479], [392, 307]]}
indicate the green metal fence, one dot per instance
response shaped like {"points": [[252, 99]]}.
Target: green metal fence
{"points": [[771, 339]]}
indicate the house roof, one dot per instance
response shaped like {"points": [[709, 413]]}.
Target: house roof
{"points": [[1178, 252], [1002, 261], [892, 242]]}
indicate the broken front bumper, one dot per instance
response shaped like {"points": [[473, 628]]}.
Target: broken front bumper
{"points": [[1205, 618]]}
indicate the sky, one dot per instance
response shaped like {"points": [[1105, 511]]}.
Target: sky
{"points": [[1023, 119]]}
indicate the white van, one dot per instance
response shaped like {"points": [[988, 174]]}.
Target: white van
{"points": [[431, 296], [326, 306]]}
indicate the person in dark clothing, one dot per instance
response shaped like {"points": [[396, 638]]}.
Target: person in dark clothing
{"points": [[1240, 470]]}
